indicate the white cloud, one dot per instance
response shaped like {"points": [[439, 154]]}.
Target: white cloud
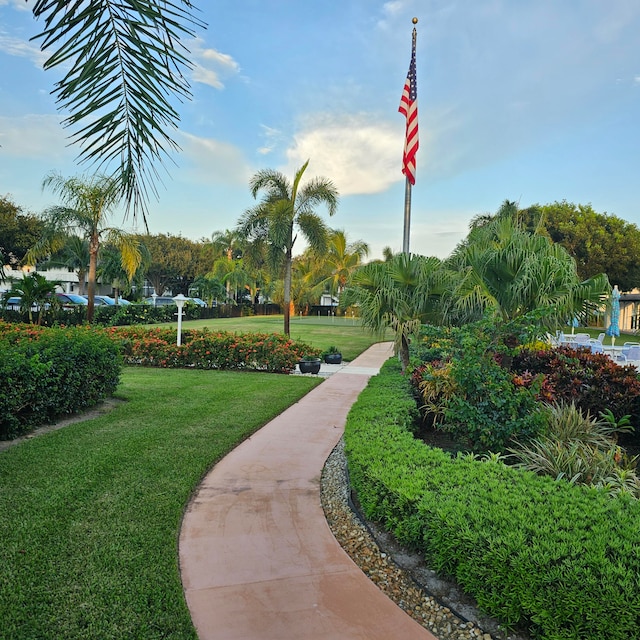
{"points": [[37, 136], [210, 65], [20, 5], [23, 49], [358, 153], [271, 137], [208, 161]]}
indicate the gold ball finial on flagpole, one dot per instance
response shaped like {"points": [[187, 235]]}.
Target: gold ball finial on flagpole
{"points": [[415, 20]]}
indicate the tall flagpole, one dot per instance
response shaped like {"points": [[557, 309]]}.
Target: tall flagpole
{"points": [[409, 108], [407, 216]]}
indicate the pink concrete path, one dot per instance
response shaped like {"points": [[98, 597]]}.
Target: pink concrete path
{"points": [[257, 558]]}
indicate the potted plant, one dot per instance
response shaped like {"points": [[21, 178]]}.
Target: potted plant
{"points": [[309, 364], [332, 355]]}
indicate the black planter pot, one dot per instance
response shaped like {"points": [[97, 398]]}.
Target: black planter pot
{"points": [[333, 358], [309, 366]]}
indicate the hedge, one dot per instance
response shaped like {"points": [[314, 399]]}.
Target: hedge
{"points": [[49, 372], [560, 559]]}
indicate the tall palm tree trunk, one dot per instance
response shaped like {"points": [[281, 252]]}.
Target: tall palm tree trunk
{"points": [[91, 288], [287, 293]]}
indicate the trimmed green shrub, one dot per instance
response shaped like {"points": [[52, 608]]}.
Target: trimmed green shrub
{"points": [[48, 372], [560, 559]]}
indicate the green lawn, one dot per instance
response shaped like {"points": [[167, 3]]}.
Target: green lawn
{"points": [[345, 333], [90, 514]]}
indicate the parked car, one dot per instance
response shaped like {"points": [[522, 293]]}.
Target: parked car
{"points": [[167, 300], [12, 303], [70, 299], [159, 301], [106, 300]]}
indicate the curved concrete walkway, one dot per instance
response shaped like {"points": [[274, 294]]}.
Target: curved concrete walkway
{"points": [[257, 557]]}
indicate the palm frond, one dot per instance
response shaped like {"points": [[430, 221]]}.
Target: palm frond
{"points": [[126, 63]]}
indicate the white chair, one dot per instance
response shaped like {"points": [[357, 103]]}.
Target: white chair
{"points": [[596, 346], [582, 339], [632, 354], [601, 337]]}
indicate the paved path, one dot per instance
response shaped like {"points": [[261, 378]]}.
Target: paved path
{"points": [[257, 557]]}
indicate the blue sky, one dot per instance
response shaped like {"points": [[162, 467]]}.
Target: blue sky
{"points": [[527, 100]]}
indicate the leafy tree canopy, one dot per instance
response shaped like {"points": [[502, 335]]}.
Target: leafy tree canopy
{"points": [[18, 231], [599, 242], [174, 262]]}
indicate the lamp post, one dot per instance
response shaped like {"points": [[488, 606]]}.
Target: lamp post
{"points": [[179, 300]]}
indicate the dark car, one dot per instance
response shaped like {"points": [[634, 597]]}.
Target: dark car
{"points": [[12, 303], [106, 300], [160, 301], [70, 299]]}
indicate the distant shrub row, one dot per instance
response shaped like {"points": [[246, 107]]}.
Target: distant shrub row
{"points": [[557, 558], [124, 315], [204, 349], [50, 372]]}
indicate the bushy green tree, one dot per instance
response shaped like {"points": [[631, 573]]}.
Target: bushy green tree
{"points": [[174, 262], [505, 269], [18, 231]]}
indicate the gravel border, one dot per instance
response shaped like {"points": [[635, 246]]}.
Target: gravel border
{"points": [[437, 604]]}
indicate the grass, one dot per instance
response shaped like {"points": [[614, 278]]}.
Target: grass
{"points": [[90, 514], [320, 331]]}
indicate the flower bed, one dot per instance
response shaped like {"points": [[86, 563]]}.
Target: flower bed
{"points": [[204, 349]]}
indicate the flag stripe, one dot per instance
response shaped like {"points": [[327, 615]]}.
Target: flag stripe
{"points": [[409, 109]]}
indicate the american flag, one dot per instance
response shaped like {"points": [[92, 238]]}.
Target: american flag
{"points": [[409, 108]]}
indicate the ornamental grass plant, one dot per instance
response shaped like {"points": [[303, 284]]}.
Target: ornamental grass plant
{"points": [[581, 450]]}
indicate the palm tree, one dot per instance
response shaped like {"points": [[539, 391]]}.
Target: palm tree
{"points": [[124, 62], [227, 243], [111, 270], [341, 259], [233, 273], [209, 288], [399, 294], [286, 207], [87, 205], [35, 291], [509, 271], [73, 255], [306, 286]]}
